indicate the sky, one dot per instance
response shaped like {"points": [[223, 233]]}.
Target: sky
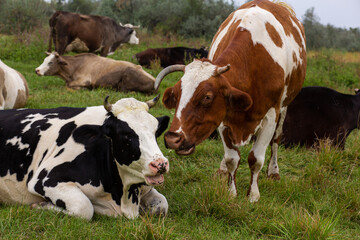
{"points": [[343, 14]]}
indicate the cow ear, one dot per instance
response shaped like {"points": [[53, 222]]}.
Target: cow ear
{"points": [[238, 100], [169, 98], [163, 124], [62, 61]]}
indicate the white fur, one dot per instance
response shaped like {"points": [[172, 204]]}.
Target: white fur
{"points": [[13, 83], [133, 38], [44, 67], [254, 20], [263, 139], [195, 73]]}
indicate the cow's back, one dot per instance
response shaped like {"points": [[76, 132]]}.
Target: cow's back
{"points": [[319, 113], [262, 35]]}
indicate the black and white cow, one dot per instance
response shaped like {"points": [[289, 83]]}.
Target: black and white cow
{"points": [[102, 159]]}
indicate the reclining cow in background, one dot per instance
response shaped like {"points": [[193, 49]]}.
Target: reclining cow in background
{"points": [[99, 33], [170, 56], [256, 67], [102, 159], [321, 113], [14, 90], [90, 71]]}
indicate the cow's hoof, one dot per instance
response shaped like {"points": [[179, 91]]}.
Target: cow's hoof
{"points": [[274, 176], [221, 173], [38, 205]]}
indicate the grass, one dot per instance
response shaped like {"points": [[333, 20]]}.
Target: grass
{"points": [[316, 198]]}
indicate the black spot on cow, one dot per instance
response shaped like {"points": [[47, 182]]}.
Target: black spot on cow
{"points": [[125, 142], [60, 152], [162, 126], [60, 203], [65, 132], [134, 191], [13, 124], [39, 187]]}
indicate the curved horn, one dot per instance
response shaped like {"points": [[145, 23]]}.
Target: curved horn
{"points": [[221, 70], [153, 101], [166, 71], [107, 105]]}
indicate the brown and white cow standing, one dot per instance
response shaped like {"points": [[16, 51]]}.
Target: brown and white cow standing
{"points": [[90, 71], [256, 66], [14, 90]]}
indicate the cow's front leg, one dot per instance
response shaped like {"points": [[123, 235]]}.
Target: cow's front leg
{"points": [[153, 202], [257, 153], [231, 160], [79, 84], [64, 197]]}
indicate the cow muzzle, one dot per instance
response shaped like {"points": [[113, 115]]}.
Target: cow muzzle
{"points": [[157, 167], [177, 141], [37, 71]]}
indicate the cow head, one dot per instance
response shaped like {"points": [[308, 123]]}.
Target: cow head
{"points": [[203, 98], [51, 65], [130, 36], [133, 133]]}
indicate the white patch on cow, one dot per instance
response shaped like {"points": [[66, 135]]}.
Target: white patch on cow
{"points": [[263, 139], [133, 39], [230, 162], [13, 83], [254, 20], [45, 66], [195, 73], [16, 141], [31, 118]]}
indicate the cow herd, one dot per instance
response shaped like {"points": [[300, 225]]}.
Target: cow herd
{"points": [[105, 159]]}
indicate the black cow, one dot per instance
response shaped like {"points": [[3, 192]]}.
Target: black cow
{"points": [[320, 113], [84, 160], [170, 56], [99, 33]]}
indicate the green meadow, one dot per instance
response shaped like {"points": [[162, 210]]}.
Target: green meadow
{"points": [[317, 197]]}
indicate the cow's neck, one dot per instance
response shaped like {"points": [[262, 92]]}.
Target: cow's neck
{"points": [[68, 71]]}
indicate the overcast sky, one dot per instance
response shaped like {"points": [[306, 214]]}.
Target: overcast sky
{"points": [[344, 13]]}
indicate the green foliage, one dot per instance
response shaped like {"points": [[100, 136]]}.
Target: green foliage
{"points": [[320, 36], [22, 15], [324, 69]]}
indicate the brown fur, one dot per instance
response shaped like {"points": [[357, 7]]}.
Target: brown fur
{"points": [[91, 71], [99, 33]]}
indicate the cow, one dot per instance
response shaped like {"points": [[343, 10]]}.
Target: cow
{"points": [[169, 56], [99, 33], [88, 71], [14, 90], [102, 159], [255, 68], [319, 113]]}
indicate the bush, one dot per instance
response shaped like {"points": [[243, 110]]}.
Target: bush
{"points": [[22, 15]]}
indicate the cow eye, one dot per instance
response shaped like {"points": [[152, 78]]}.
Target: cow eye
{"points": [[50, 63], [207, 99]]}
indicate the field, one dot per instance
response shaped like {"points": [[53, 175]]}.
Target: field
{"points": [[316, 198]]}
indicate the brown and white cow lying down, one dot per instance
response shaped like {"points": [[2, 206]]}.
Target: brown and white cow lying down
{"points": [[90, 71], [256, 66], [13, 88], [321, 113]]}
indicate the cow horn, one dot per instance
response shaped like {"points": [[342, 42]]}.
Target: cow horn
{"points": [[136, 27], [166, 71], [153, 101], [47, 53], [221, 70], [107, 105]]}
